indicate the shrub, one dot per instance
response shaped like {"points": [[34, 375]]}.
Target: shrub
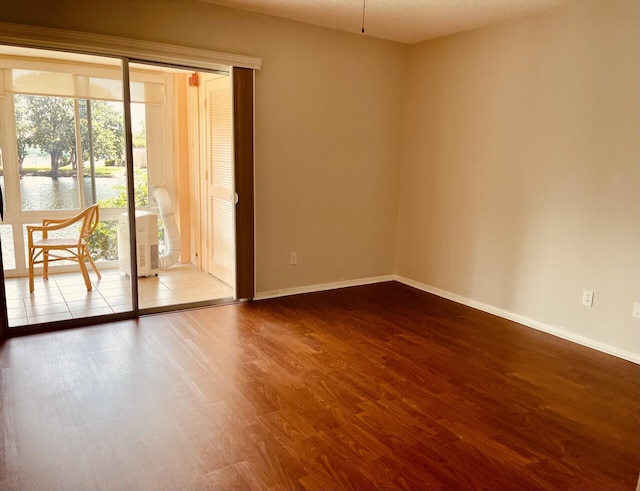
{"points": [[104, 241]]}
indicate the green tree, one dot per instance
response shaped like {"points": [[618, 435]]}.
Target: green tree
{"points": [[48, 124], [107, 130], [23, 128]]}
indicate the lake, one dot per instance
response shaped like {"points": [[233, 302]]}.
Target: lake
{"points": [[44, 193]]}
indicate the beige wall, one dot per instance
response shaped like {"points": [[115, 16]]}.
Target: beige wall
{"points": [[521, 169], [329, 109]]}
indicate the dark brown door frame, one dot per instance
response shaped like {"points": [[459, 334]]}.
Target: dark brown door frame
{"points": [[243, 134], [4, 322]]}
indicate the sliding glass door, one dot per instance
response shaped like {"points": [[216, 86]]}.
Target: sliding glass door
{"points": [[154, 148], [188, 145], [63, 150]]}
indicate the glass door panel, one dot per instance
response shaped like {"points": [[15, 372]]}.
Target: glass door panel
{"points": [[181, 133], [63, 152]]}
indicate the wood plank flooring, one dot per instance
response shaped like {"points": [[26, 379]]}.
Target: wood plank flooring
{"points": [[374, 387]]}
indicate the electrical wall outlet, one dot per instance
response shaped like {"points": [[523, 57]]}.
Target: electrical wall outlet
{"points": [[636, 310], [587, 298], [293, 258]]}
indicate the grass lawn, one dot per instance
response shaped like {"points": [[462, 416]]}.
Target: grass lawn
{"points": [[100, 171]]}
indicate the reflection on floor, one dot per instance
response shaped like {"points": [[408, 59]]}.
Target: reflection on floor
{"points": [[64, 296]]}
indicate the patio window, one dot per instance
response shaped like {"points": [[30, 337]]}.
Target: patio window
{"points": [[65, 121]]}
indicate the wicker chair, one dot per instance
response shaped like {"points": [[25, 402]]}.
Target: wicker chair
{"points": [[47, 250]]}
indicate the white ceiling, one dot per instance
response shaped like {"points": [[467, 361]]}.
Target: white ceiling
{"points": [[405, 21]]}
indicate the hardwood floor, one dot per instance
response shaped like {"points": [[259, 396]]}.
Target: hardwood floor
{"points": [[375, 387]]}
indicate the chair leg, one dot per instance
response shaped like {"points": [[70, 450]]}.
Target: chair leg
{"points": [[83, 268], [93, 265], [45, 266], [31, 285]]}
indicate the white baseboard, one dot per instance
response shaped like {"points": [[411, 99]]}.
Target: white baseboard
{"points": [[322, 287], [540, 326]]}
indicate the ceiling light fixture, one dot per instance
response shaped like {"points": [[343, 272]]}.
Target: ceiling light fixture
{"points": [[363, 5]]}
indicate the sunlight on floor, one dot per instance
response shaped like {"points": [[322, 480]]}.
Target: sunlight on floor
{"points": [[64, 295]]}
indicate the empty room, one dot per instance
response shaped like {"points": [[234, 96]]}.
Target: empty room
{"points": [[334, 244]]}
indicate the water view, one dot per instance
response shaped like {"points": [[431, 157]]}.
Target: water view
{"points": [[44, 193]]}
